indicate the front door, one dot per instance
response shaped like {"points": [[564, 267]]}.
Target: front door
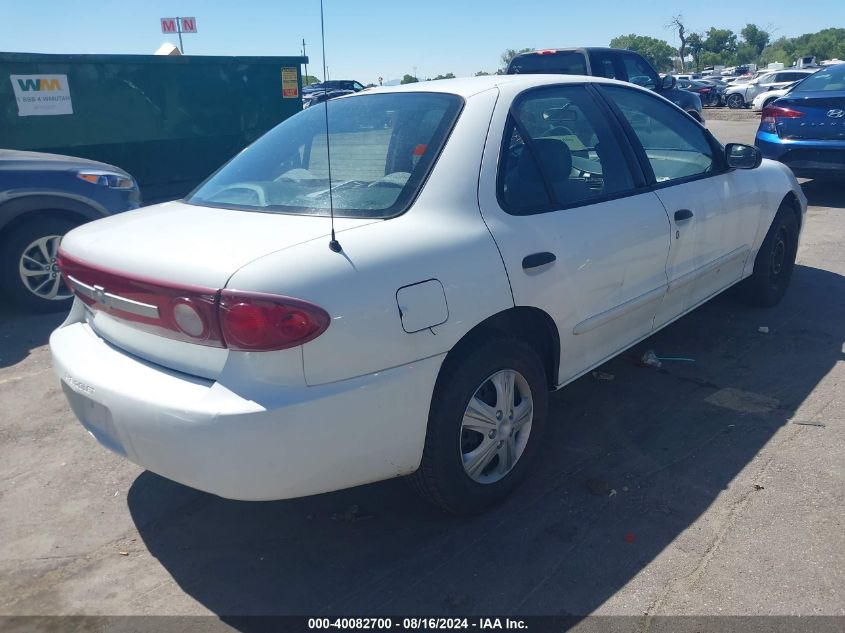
{"points": [[580, 237]]}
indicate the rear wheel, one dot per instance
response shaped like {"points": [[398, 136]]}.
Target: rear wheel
{"points": [[735, 101], [28, 267], [775, 261], [487, 415]]}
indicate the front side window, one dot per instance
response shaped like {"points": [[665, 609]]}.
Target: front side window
{"points": [[558, 152], [639, 72], [676, 147], [382, 147]]}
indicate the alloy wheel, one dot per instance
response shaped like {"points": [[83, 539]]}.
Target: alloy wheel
{"points": [[735, 102], [39, 270], [496, 426]]}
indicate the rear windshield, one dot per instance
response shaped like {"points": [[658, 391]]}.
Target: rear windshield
{"points": [[381, 146], [562, 62], [823, 80]]}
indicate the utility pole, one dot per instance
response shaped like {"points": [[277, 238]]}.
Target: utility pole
{"points": [[415, 73]]}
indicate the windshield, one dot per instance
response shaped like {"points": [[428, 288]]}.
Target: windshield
{"points": [[561, 62], [381, 146], [824, 80]]}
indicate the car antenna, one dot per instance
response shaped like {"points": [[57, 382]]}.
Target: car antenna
{"points": [[334, 245]]}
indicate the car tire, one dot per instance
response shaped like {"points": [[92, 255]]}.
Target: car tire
{"points": [[735, 102], [774, 263], [473, 432], [42, 291], [767, 102]]}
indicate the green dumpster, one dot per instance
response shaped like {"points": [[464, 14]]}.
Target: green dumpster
{"points": [[170, 121]]}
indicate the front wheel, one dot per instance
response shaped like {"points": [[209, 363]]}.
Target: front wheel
{"points": [[735, 102], [28, 266], [487, 416], [775, 261]]}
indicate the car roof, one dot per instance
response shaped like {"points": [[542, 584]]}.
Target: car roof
{"points": [[468, 86]]}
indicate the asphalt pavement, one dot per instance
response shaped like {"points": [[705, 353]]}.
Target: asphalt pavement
{"points": [[713, 485]]}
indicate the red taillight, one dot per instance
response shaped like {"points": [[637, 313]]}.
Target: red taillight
{"points": [[771, 113], [261, 322], [780, 112], [243, 321]]}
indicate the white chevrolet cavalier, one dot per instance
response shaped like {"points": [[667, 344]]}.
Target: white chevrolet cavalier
{"points": [[496, 238]]}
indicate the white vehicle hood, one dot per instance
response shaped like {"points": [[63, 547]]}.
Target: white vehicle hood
{"points": [[190, 244]]}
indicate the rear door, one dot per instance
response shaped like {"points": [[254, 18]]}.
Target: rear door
{"points": [[713, 210], [581, 238]]}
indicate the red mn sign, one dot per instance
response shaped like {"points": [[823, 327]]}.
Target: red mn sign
{"points": [[171, 25]]}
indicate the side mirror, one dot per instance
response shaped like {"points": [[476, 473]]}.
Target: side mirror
{"points": [[668, 82], [741, 156]]}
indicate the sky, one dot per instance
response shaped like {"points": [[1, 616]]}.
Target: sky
{"points": [[366, 39]]}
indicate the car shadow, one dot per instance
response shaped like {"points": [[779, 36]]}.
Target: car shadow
{"points": [[628, 464], [824, 193], [21, 332]]}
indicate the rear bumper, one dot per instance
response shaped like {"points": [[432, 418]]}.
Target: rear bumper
{"points": [[807, 159], [298, 441]]}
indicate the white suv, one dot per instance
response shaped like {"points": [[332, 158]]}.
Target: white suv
{"points": [[742, 95]]}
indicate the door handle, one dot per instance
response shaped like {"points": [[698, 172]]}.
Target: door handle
{"points": [[682, 214], [535, 260]]}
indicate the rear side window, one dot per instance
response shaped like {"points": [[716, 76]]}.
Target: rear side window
{"points": [[559, 151], [832, 78], [558, 62], [382, 147], [676, 147]]}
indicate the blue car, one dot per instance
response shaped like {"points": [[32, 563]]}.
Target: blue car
{"points": [[805, 129]]}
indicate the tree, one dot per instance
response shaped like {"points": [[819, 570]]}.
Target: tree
{"points": [[446, 76], [720, 40], [409, 79], [508, 55], [307, 80], [658, 52], [695, 44], [677, 22], [482, 73], [754, 36]]}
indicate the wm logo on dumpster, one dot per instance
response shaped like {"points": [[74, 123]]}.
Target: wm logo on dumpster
{"points": [[39, 85]]}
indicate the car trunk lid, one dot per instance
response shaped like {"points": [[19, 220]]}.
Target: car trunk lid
{"points": [[818, 116], [131, 270]]}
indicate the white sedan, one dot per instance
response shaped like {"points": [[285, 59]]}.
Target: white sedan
{"points": [[765, 98], [493, 239]]}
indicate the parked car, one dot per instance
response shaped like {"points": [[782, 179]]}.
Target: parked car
{"points": [[612, 63], [334, 84], [706, 91], [765, 98], [321, 96], [741, 95], [492, 239], [42, 197], [805, 129]]}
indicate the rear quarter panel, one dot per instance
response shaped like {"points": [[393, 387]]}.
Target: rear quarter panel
{"points": [[442, 236]]}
